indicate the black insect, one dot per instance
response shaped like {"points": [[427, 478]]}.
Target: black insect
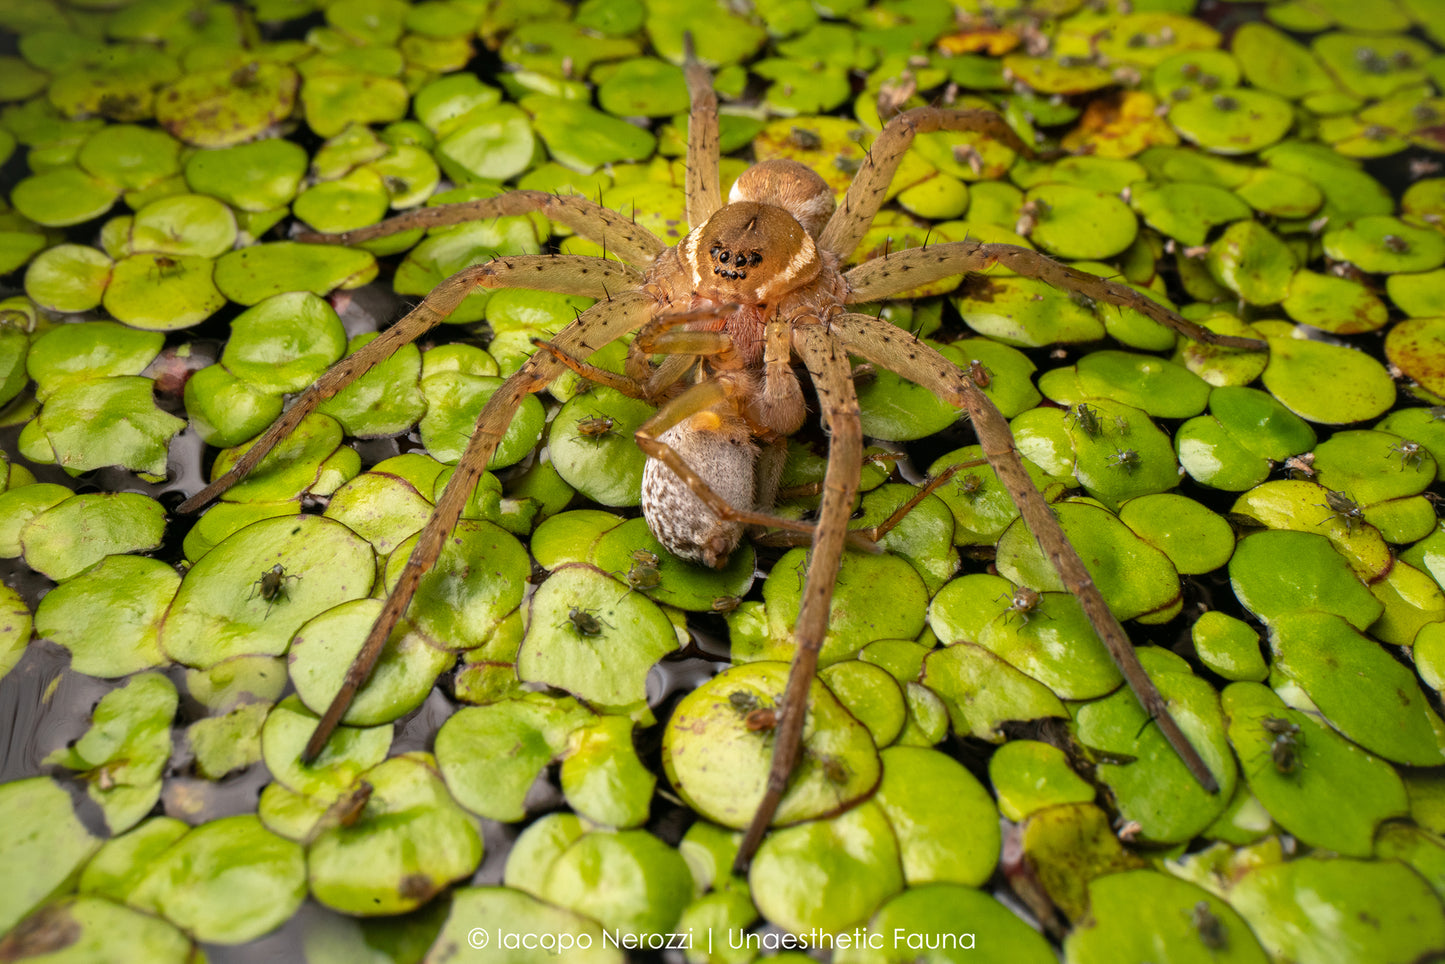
{"points": [[1210, 927], [1126, 459], [1345, 509], [584, 622], [272, 587], [1086, 417]]}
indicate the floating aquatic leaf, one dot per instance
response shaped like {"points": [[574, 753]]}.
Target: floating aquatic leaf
{"points": [[409, 840], [491, 755], [256, 176], [594, 638], [1144, 912], [323, 649], [1361, 690], [78, 532], [628, 881], [827, 875], [221, 108], [1148, 772], [224, 607], [253, 274], [68, 277], [602, 777], [718, 763], [1030, 776], [46, 845], [1320, 787], [1315, 906], [127, 595], [122, 754], [499, 911], [938, 919]]}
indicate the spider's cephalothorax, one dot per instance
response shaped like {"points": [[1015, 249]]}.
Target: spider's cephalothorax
{"points": [[720, 321], [754, 261]]}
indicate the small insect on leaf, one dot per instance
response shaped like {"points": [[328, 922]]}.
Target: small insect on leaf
{"points": [[1126, 459], [1410, 453], [585, 623], [1086, 418], [1210, 928], [744, 701], [1345, 509], [1284, 750], [760, 720], [981, 376], [594, 427], [271, 587], [725, 604], [969, 486], [1023, 603]]}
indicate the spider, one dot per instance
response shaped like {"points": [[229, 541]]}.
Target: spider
{"points": [[757, 283]]}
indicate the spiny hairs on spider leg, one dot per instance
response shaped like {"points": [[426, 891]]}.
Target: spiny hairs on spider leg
{"points": [[756, 285]]}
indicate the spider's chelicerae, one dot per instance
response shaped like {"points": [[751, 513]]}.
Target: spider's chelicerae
{"points": [[757, 285]]}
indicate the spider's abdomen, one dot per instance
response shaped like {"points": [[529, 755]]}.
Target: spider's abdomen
{"points": [[722, 452]]}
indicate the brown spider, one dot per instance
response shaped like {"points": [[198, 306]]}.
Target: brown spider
{"points": [[757, 283]]}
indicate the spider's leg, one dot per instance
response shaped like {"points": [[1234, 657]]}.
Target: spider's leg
{"points": [[894, 273], [704, 193], [870, 186], [620, 234], [827, 361], [568, 274], [882, 342], [604, 322]]}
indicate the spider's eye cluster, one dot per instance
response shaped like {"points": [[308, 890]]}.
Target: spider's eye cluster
{"points": [[741, 262]]}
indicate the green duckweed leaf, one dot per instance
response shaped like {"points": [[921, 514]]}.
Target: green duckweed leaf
{"points": [[257, 176], [628, 881], [284, 342], [1228, 646], [323, 650], [1324, 383], [491, 755], [1030, 776], [222, 608], [1234, 121], [63, 541], [1144, 912], [68, 277], [1320, 787], [226, 410], [1316, 906], [162, 292], [1361, 690], [497, 910], [592, 637], [224, 107], [945, 917], [719, 764], [1134, 577], [827, 875], [982, 692], [125, 749], [253, 274], [408, 842], [925, 794], [71, 353], [602, 777], [1143, 772], [47, 844], [349, 752], [127, 595], [63, 196]]}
